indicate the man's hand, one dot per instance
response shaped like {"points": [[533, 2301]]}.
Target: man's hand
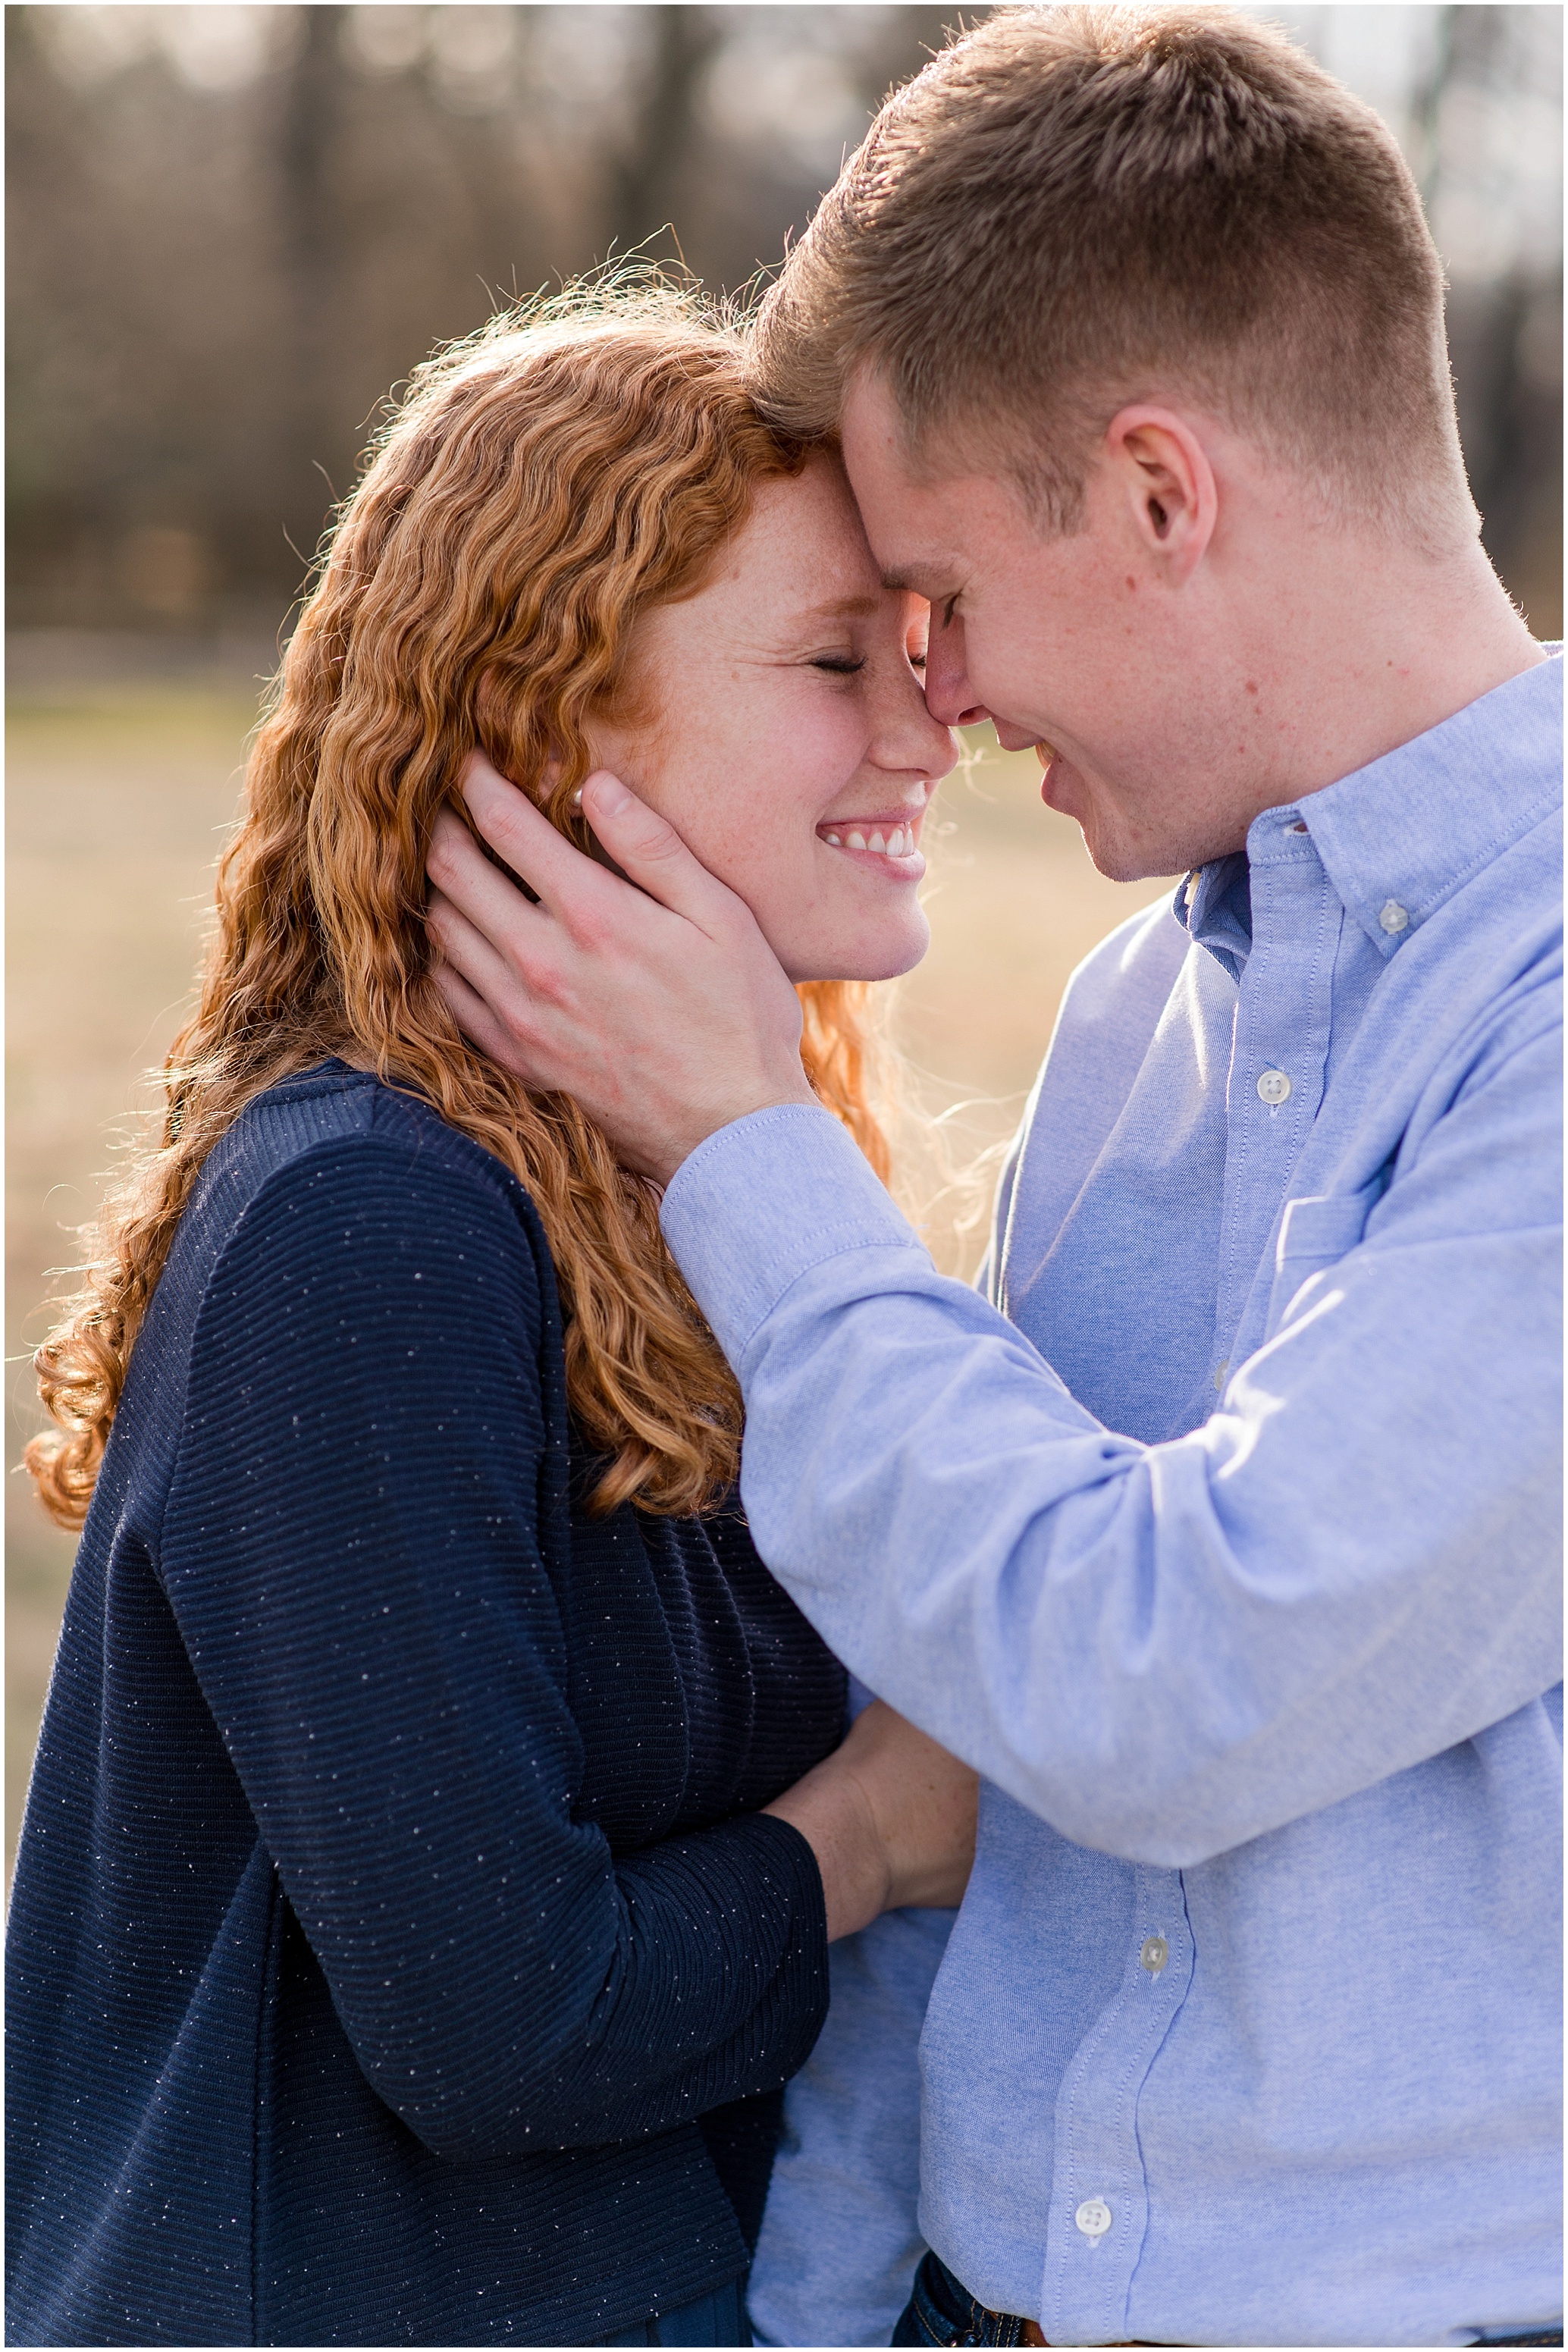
{"points": [[662, 1009], [891, 1818]]}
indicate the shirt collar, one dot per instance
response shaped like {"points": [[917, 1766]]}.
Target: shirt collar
{"points": [[1399, 836], [1214, 902]]}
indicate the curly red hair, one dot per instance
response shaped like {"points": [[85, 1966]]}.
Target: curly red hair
{"points": [[541, 487]]}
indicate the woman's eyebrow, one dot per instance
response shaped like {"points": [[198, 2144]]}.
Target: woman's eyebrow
{"points": [[783, 634], [841, 608]]}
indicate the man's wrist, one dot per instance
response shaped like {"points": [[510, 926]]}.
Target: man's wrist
{"points": [[760, 1201], [677, 1149]]}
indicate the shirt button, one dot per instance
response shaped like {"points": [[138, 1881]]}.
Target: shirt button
{"points": [[1273, 1087], [1393, 916], [1154, 1954], [1093, 2217], [1220, 1371]]}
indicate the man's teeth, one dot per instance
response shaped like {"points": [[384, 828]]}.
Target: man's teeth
{"points": [[899, 843]]}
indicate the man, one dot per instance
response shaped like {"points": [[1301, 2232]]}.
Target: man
{"points": [[1241, 1590]]}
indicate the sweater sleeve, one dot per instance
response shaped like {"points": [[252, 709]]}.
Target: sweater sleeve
{"points": [[355, 1547]]}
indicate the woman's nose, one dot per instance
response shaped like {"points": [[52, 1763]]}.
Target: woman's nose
{"points": [[949, 697]]}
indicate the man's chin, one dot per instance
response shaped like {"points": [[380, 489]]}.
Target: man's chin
{"points": [[1062, 788], [1119, 859], [1114, 850], [1118, 863]]}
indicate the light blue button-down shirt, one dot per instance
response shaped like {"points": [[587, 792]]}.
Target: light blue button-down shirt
{"points": [[1226, 1545]]}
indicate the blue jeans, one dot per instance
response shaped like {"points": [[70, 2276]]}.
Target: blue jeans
{"points": [[940, 2310], [716, 2318]]}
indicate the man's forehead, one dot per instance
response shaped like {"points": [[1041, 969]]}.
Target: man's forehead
{"points": [[872, 436], [945, 486], [917, 515]]}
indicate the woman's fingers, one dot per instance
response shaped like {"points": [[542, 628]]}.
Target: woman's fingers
{"points": [[924, 1801], [891, 1818], [829, 1809]]}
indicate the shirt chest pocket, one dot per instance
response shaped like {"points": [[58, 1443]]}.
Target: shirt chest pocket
{"points": [[1314, 1234]]}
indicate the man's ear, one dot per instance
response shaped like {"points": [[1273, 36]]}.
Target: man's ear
{"points": [[1164, 472]]}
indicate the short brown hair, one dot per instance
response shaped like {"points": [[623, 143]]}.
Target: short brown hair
{"points": [[1075, 206]]}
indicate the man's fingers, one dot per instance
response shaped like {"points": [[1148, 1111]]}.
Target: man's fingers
{"points": [[587, 899], [466, 878], [569, 883], [604, 977], [479, 1023], [469, 949], [493, 1009], [647, 848]]}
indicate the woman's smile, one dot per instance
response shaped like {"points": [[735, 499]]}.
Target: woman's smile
{"points": [[887, 840], [778, 718]]}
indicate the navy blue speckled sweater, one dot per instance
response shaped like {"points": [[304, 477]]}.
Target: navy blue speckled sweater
{"points": [[396, 1954]]}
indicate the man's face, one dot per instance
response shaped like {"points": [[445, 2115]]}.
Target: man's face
{"points": [[1078, 644]]}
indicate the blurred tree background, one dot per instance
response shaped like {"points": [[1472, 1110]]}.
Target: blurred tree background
{"points": [[232, 229]]}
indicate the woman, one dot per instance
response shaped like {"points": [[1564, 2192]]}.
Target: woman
{"points": [[425, 1883]]}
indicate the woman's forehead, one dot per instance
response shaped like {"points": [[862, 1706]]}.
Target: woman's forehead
{"points": [[804, 538]]}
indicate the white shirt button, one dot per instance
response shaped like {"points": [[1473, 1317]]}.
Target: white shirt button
{"points": [[1093, 2217], [1273, 1087], [1154, 1954], [1220, 1372], [1393, 916]]}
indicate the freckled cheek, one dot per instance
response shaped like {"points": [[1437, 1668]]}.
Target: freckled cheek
{"points": [[794, 780], [758, 842], [700, 783], [747, 798]]}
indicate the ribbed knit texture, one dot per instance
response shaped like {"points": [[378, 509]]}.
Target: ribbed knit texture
{"points": [[392, 1901]]}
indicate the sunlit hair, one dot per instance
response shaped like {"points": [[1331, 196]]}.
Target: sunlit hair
{"points": [[541, 487], [1075, 206]]}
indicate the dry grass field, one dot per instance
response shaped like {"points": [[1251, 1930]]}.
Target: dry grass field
{"points": [[119, 797]]}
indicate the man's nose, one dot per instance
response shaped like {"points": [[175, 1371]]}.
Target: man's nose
{"points": [[949, 697]]}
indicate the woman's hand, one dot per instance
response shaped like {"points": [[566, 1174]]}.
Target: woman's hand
{"points": [[891, 1818]]}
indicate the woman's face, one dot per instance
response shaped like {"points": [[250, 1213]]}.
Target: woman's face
{"points": [[783, 731]]}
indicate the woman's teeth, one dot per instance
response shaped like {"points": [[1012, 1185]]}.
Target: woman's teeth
{"points": [[899, 841]]}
